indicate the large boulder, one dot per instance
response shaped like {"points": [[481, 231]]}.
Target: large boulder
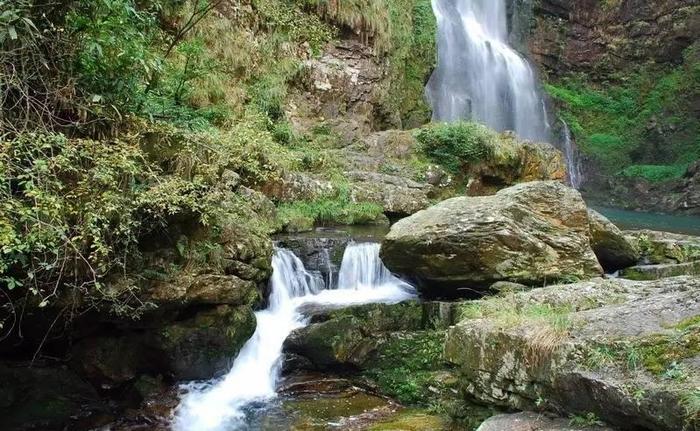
{"points": [[350, 337], [613, 249], [532, 233], [619, 350]]}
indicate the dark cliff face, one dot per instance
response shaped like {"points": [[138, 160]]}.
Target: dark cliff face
{"points": [[599, 38]]}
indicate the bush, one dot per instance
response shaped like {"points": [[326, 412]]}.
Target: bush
{"points": [[655, 173], [73, 211], [456, 145], [68, 211]]}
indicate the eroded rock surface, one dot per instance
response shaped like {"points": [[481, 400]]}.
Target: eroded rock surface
{"points": [[529, 421], [531, 233], [625, 351]]}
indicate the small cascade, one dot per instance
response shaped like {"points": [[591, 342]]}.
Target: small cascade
{"points": [[361, 268], [571, 156], [221, 405], [479, 76]]}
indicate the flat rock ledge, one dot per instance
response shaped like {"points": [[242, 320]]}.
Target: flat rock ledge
{"points": [[626, 352]]}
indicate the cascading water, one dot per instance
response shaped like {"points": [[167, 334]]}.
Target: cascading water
{"points": [[479, 76], [573, 166], [221, 405]]}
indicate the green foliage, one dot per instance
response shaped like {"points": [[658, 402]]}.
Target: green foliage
{"points": [[507, 313], [660, 355], [404, 368], [655, 173], [643, 118], [412, 59], [114, 55], [456, 145], [585, 420], [691, 404], [16, 26], [286, 17], [74, 211], [333, 210], [68, 211]]}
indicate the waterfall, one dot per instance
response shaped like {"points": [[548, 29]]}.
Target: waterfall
{"points": [[360, 267], [220, 405], [479, 76], [573, 165]]}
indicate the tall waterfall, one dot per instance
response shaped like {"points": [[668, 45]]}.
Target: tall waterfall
{"points": [[479, 76], [220, 405]]}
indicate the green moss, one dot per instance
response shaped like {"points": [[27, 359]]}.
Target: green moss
{"points": [[336, 210], [656, 354], [688, 323], [406, 365]]}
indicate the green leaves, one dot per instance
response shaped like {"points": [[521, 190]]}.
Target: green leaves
{"points": [[456, 145]]}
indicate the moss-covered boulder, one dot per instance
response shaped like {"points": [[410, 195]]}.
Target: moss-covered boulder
{"points": [[613, 250], [664, 247], [348, 338], [532, 233], [203, 346], [655, 272], [622, 351], [397, 195]]}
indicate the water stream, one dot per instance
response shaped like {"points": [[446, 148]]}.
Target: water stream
{"points": [[224, 404]]}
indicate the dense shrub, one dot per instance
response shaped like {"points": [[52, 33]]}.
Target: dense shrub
{"points": [[456, 145], [73, 211], [655, 173]]}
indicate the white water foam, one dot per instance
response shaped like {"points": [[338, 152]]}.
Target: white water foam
{"points": [[219, 405], [479, 76]]}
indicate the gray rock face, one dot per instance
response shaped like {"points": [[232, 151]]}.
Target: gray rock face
{"points": [[613, 250], [581, 347], [655, 272], [664, 247], [531, 233], [529, 421], [395, 194]]}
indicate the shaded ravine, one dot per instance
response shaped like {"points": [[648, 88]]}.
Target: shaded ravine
{"points": [[224, 404]]}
